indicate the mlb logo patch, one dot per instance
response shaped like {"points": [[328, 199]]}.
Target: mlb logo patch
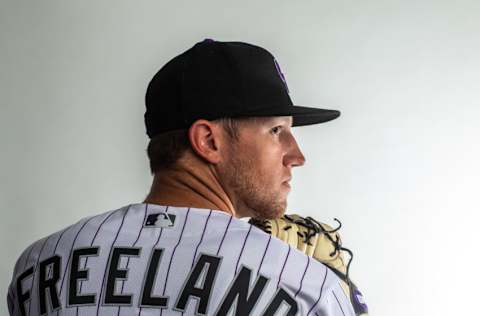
{"points": [[162, 220]]}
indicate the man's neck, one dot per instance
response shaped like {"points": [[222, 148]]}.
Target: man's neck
{"points": [[190, 184]]}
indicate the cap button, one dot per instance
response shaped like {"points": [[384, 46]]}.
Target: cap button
{"points": [[208, 40]]}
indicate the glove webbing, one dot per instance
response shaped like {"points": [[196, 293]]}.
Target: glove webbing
{"points": [[313, 228]]}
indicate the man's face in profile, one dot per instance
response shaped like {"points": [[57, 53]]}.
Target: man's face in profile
{"points": [[258, 167]]}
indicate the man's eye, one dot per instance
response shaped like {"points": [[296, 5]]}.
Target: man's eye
{"points": [[276, 130]]}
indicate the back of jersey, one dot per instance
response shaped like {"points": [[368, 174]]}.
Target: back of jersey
{"points": [[146, 259]]}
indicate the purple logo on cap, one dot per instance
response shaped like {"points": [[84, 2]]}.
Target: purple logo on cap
{"points": [[279, 71]]}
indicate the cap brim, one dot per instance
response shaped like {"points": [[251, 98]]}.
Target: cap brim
{"points": [[303, 115]]}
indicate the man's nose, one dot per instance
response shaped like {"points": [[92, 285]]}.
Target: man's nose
{"points": [[294, 157]]}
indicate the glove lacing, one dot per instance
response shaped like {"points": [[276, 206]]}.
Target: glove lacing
{"points": [[313, 228]]}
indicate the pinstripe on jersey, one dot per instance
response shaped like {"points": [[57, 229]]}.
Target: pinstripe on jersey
{"points": [[146, 259]]}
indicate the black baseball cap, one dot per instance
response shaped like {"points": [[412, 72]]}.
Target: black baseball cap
{"points": [[215, 79]]}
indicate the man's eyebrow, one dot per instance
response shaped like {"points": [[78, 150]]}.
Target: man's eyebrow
{"points": [[273, 120], [286, 120]]}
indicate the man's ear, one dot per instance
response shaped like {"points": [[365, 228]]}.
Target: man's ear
{"points": [[206, 138]]}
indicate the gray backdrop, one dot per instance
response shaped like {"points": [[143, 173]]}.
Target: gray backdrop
{"points": [[399, 168]]}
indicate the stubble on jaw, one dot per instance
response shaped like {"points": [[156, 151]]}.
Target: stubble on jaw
{"points": [[252, 189]]}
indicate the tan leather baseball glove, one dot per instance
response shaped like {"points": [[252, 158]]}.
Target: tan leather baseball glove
{"points": [[319, 241]]}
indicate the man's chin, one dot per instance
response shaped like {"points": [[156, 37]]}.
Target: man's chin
{"points": [[276, 210], [282, 212]]}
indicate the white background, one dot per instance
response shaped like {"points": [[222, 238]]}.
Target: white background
{"points": [[399, 168]]}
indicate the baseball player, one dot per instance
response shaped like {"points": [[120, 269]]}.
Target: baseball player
{"points": [[219, 118]]}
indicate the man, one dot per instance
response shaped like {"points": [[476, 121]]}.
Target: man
{"points": [[219, 117]]}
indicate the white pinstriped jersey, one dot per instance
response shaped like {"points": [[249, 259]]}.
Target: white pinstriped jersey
{"points": [[147, 259]]}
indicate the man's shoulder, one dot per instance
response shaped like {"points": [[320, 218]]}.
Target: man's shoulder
{"points": [[312, 270]]}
